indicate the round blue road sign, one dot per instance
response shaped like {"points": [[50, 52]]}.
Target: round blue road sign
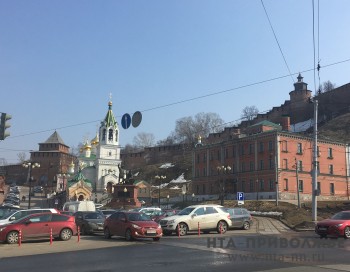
{"points": [[126, 121]]}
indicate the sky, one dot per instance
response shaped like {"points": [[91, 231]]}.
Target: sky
{"points": [[61, 60]]}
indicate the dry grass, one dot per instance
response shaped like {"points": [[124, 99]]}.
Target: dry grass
{"points": [[293, 216]]}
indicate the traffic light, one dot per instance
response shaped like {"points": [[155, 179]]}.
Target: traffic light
{"points": [[4, 125]]}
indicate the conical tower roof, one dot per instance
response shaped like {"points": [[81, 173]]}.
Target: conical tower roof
{"points": [[110, 120], [55, 138]]}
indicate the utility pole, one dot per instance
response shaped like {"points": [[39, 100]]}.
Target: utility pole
{"points": [[314, 163], [297, 175]]}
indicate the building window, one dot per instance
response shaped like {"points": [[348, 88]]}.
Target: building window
{"points": [[204, 157], [251, 186], [197, 189], [233, 169], [319, 187], [218, 155], [204, 171], [318, 151], [203, 188], [300, 148], [270, 145], [284, 146], [261, 165], [110, 134], [301, 186], [211, 156], [233, 151], [330, 153], [251, 148], [242, 149], [251, 166], [197, 158], [318, 167], [300, 166], [331, 189], [271, 163], [261, 185], [261, 147], [285, 164], [243, 186], [243, 167], [331, 169], [197, 172], [286, 184], [271, 182], [226, 153]]}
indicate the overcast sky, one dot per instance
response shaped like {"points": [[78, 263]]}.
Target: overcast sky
{"points": [[60, 60]]}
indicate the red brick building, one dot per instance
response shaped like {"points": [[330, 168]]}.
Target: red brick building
{"points": [[264, 160]]}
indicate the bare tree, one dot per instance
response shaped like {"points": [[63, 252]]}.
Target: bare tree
{"points": [[249, 113], [144, 139], [21, 157], [327, 86], [188, 128]]}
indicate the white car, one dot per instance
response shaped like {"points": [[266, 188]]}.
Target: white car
{"points": [[15, 215], [206, 217]]}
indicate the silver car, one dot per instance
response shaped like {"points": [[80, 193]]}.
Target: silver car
{"points": [[203, 217]]}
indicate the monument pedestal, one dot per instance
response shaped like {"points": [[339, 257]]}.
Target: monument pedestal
{"points": [[124, 197]]}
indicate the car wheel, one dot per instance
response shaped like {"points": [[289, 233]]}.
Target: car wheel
{"points": [[222, 227], [347, 233], [107, 234], [156, 239], [182, 229], [246, 225], [12, 237], [128, 235], [66, 234], [167, 232]]}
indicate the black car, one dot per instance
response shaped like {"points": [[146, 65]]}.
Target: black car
{"points": [[89, 222], [240, 218]]}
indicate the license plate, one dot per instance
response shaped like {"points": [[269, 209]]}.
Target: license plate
{"points": [[151, 231], [100, 228], [322, 228]]}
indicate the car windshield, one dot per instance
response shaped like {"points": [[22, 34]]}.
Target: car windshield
{"points": [[186, 211], [138, 217], [4, 213], [341, 216]]}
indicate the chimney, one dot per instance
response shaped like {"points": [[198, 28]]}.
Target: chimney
{"points": [[285, 123]]}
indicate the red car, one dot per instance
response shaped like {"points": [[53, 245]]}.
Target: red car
{"points": [[131, 225], [37, 225], [337, 225]]}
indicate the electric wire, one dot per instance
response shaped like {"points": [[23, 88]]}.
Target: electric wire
{"points": [[279, 46]]}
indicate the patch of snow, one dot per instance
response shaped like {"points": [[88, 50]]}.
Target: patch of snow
{"points": [[166, 165]]}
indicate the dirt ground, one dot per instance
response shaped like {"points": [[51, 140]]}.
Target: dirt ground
{"points": [[292, 216]]}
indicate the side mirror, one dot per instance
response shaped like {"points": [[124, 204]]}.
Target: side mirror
{"points": [[12, 219], [194, 215]]}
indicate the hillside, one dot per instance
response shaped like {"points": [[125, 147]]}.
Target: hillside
{"points": [[337, 129]]}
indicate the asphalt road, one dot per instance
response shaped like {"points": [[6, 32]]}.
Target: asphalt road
{"points": [[233, 251]]}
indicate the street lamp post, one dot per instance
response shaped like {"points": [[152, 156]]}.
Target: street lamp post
{"points": [[30, 166], [167, 203], [125, 192], [160, 178], [223, 170]]}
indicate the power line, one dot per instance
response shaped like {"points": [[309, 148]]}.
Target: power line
{"points": [[273, 31], [192, 99]]}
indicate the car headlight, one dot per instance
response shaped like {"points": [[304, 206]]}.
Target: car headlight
{"points": [[136, 226], [1, 229], [339, 225], [159, 227], [171, 221]]}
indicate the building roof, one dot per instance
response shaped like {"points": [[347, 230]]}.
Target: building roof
{"points": [[55, 138], [79, 177], [266, 123], [110, 120]]}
